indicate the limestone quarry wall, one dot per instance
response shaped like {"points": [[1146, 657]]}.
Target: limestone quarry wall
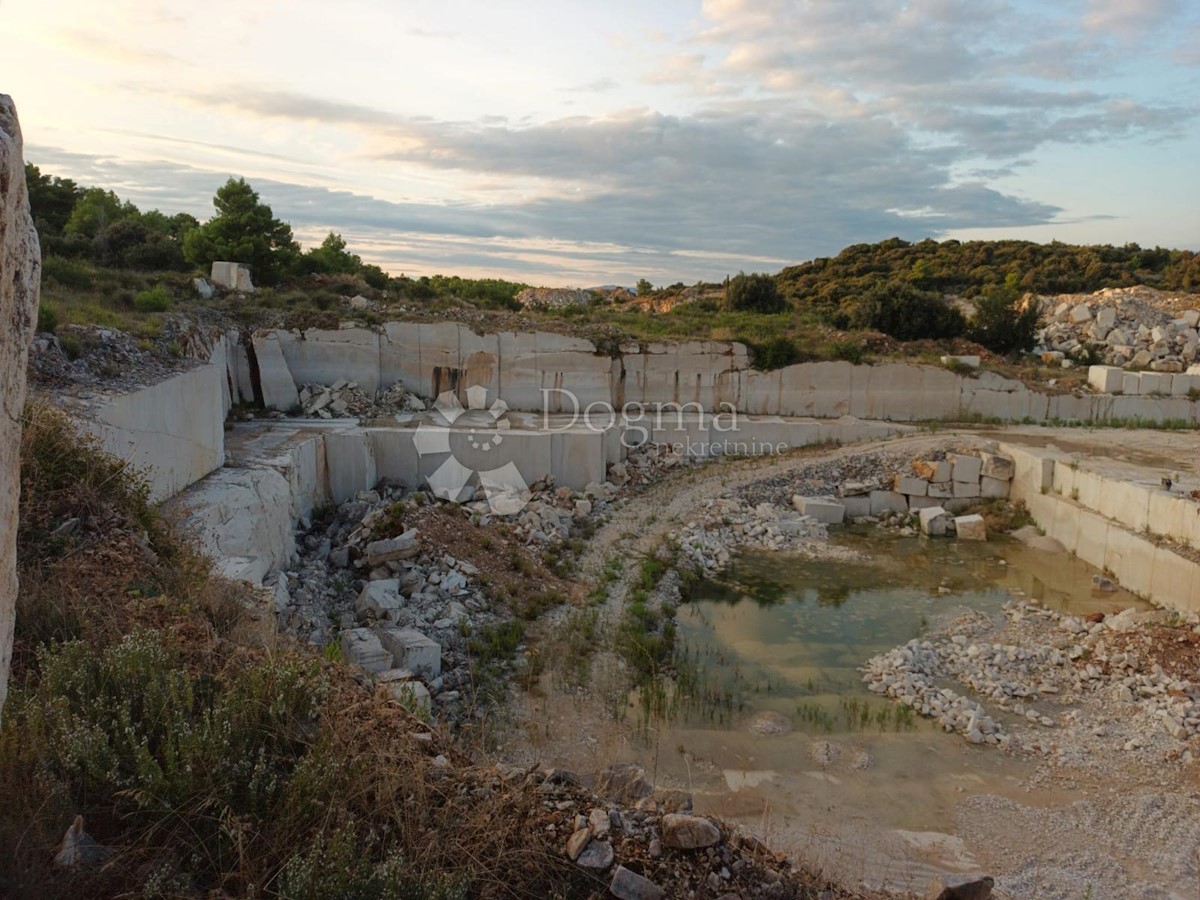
{"points": [[1110, 522], [20, 279], [173, 431], [557, 373]]}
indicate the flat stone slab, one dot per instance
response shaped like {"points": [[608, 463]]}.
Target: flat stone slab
{"points": [[404, 546]]}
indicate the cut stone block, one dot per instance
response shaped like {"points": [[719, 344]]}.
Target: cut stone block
{"points": [[362, 647], [379, 599], [914, 487], [993, 488], [412, 650], [825, 510], [1155, 383], [857, 506], [405, 546], [1106, 379], [942, 490], [966, 489], [915, 503], [1131, 384], [935, 521], [932, 469], [970, 528], [996, 466], [966, 468], [1182, 385], [887, 501]]}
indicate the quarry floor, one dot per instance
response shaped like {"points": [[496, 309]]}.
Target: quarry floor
{"points": [[1087, 817]]}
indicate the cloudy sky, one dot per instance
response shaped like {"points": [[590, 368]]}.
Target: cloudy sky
{"points": [[581, 143]]}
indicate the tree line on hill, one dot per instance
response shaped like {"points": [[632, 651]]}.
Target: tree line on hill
{"points": [[894, 286], [95, 225]]}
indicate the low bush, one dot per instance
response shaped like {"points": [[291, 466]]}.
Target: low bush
{"points": [[156, 299]]}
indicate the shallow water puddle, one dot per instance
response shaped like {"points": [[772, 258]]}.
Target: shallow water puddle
{"points": [[786, 738]]}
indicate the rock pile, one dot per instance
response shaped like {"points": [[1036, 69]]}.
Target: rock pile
{"points": [[401, 610], [104, 359], [1138, 328], [728, 523], [1073, 658], [890, 489], [646, 844], [345, 399], [909, 675], [1117, 655], [553, 298]]}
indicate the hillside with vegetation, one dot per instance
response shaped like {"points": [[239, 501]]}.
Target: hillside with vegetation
{"points": [[109, 264]]}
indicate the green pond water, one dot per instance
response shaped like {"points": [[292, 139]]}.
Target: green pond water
{"points": [[856, 786], [788, 634]]}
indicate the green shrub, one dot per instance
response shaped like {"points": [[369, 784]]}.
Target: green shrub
{"points": [[898, 309], [775, 353], [47, 321], [1000, 326], [848, 351], [755, 293], [68, 273], [71, 346], [156, 299]]}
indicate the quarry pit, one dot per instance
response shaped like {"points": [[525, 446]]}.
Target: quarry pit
{"points": [[1046, 679]]}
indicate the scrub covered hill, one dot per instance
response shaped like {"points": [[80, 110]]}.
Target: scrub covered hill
{"points": [[969, 268]]}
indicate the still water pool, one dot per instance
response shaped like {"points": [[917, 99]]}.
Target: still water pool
{"points": [[853, 783]]}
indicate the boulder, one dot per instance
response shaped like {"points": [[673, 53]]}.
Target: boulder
{"points": [[597, 855], [578, 842], [629, 885], [970, 528], [689, 832], [20, 281]]}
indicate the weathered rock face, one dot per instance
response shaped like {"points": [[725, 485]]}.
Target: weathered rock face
{"points": [[20, 280]]}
